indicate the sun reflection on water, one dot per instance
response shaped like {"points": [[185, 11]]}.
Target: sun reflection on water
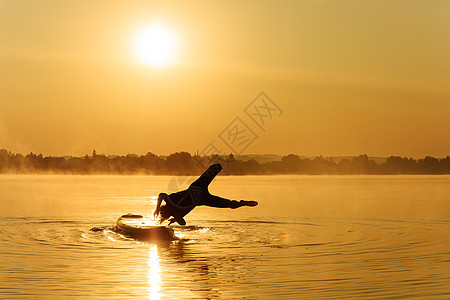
{"points": [[154, 274]]}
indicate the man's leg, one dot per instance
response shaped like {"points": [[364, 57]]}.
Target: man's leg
{"points": [[215, 201], [205, 179]]}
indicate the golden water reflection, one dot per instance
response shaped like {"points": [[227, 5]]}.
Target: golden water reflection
{"points": [[154, 274]]}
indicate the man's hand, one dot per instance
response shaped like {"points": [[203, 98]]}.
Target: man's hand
{"points": [[156, 213], [161, 197]]}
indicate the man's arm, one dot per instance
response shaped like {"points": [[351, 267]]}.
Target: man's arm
{"points": [[161, 196]]}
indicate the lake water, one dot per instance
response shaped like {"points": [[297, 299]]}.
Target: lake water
{"points": [[310, 237]]}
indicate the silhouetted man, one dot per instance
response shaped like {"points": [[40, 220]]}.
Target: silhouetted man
{"points": [[181, 203]]}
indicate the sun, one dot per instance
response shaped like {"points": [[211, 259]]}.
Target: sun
{"points": [[155, 45]]}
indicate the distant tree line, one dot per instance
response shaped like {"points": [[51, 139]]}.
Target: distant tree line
{"points": [[183, 163]]}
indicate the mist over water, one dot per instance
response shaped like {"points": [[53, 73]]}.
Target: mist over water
{"points": [[314, 237]]}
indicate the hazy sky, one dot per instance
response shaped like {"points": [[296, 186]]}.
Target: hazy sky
{"points": [[350, 77]]}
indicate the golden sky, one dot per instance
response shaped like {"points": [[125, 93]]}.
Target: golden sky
{"points": [[350, 77]]}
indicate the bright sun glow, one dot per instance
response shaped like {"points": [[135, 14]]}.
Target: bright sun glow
{"points": [[155, 45]]}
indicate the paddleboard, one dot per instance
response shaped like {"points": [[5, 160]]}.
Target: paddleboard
{"points": [[143, 229]]}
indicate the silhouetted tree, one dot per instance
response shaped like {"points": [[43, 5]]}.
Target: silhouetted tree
{"points": [[182, 163], [179, 163], [291, 163], [430, 165], [398, 165]]}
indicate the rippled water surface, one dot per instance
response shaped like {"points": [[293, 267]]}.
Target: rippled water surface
{"points": [[311, 237]]}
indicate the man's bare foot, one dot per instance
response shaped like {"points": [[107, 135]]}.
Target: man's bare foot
{"points": [[248, 203]]}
